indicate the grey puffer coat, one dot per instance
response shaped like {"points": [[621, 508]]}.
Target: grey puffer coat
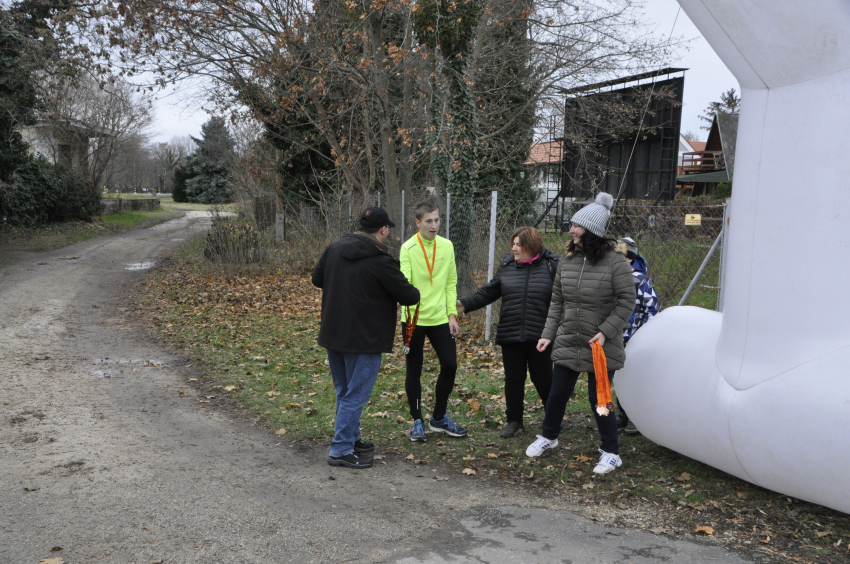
{"points": [[586, 299], [525, 290]]}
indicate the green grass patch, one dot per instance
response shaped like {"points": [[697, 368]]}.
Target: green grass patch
{"points": [[58, 235]]}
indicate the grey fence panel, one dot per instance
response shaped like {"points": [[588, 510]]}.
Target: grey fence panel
{"points": [[673, 250]]}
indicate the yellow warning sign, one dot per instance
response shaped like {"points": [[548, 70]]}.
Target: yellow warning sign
{"points": [[693, 219]]}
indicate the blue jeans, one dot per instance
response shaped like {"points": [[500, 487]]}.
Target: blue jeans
{"points": [[354, 377]]}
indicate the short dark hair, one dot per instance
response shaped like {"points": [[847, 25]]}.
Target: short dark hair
{"points": [[369, 230], [529, 239], [424, 207]]}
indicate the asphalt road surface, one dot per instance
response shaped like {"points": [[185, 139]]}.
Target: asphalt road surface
{"points": [[108, 455]]}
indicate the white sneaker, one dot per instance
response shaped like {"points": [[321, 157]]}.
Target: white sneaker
{"points": [[541, 445], [608, 463]]}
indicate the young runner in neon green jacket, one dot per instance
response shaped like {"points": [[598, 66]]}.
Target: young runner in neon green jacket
{"points": [[428, 262]]}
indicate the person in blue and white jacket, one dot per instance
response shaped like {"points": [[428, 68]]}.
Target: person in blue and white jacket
{"points": [[647, 303]]}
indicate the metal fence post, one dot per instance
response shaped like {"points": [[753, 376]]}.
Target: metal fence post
{"points": [[702, 267], [402, 216], [722, 281], [379, 199], [492, 257], [280, 228], [448, 213]]}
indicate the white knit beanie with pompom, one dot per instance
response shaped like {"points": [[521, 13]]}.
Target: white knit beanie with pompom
{"points": [[594, 216]]}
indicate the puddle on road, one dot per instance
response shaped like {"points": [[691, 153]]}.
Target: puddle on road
{"points": [[122, 367], [140, 265]]}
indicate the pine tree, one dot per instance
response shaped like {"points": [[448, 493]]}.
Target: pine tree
{"points": [[730, 103], [208, 169], [17, 98]]}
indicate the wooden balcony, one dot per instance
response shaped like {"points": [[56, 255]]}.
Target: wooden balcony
{"points": [[702, 161]]}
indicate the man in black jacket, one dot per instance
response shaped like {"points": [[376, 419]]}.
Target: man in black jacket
{"points": [[361, 286]]}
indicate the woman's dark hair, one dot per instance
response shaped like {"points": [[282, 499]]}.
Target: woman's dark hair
{"points": [[594, 246]]}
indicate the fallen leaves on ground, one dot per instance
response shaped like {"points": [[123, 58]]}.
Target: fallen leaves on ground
{"points": [[280, 431], [256, 333], [704, 529]]}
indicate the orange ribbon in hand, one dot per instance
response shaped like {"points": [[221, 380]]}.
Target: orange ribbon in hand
{"points": [[410, 327], [604, 400]]}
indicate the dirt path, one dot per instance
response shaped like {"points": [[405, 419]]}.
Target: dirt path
{"points": [[130, 466]]}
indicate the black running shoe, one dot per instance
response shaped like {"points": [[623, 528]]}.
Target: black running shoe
{"points": [[361, 446], [511, 429], [350, 461]]}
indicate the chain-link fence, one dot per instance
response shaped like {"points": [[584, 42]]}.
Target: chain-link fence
{"points": [[480, 229]]}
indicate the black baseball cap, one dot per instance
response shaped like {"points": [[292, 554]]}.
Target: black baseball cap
{"points": [[375, 218]]}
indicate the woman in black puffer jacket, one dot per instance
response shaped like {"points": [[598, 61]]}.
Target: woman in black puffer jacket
{"points": [[524, 283]]}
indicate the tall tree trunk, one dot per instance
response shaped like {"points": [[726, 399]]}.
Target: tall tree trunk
{"points": [[463, 170], [405, 164], [382, 86]]}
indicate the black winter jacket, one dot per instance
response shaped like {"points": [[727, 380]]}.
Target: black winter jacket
{"points": [[525, 290], [361, 286]]}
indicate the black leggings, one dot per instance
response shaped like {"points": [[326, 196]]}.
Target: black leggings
{"points": [[444, 345], [519, 358], [563, 383]]}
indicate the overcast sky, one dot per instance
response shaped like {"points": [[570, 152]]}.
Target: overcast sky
{"points": [[707, 78]]}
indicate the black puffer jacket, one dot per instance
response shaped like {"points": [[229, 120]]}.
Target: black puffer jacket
{"points": [[525, 290], [361, 286]]}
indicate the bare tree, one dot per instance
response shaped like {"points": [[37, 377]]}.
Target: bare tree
{"points": [[168, 157], [102, 122], [352, 76], [690, 136]]}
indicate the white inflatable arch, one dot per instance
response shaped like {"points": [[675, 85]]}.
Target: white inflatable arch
{"points": [[762, 391]]}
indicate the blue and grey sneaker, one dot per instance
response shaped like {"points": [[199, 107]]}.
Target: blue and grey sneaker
{"points": [[447, 426], [417, 432]]}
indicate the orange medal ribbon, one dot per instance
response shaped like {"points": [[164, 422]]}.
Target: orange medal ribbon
{"points": [[433, 262], [604, 401], [410, 327]]}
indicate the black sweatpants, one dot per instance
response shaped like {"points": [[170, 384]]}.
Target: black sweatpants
{"points": [[563, 383], [444, 345], [519, 359]]}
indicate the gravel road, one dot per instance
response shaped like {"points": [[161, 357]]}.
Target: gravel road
{"points": [[107, 453]]}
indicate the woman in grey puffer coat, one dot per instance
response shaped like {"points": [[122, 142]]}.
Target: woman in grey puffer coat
{"points": [[592, 299], [524, 283]]}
